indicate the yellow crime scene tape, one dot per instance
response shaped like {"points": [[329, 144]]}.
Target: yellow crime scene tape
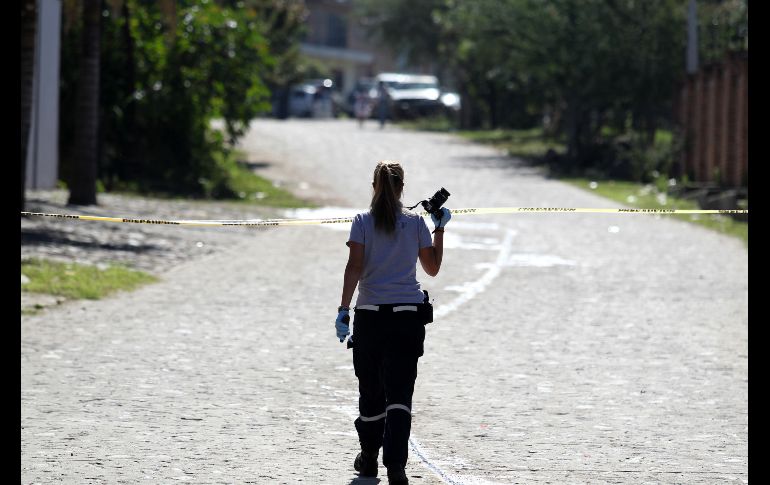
{"points": [[342, 220]]}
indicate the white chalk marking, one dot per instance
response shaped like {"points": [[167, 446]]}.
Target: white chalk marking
{"points": [[467, 292], [471, 289]]}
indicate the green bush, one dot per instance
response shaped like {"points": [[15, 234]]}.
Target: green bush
{"points": [[629, 157], [163, 80], [638, 161]]}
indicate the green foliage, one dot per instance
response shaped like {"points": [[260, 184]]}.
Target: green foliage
{"points": [[600, 74], [411, 28], [439, 123], [80, 281], [532, 145], [164, 78], [310, 68], [284, 21], [627, 157], [237, 181], [724, 27], [656, 196], [514, 59], [630, 156]]}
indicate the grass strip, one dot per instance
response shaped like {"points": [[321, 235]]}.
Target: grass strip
{"points": [[234, 181], [532, 145], [79, 281], [255, 189], [648, 196], [527, 144]]}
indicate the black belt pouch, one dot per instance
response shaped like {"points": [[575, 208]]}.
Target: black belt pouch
{"points": [[425, 310]]}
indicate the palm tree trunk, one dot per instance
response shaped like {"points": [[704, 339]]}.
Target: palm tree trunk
{"points": [[130, 163], [28, 30], [83, 186]]}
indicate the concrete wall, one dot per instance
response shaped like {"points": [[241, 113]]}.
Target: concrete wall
{"points": [[43, 149]]}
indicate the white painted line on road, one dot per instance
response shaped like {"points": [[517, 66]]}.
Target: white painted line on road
{"points": [[453, 240], [471, 289], [449, 478], [538, 260], [475, 226], [418, 450], [468, 291]]}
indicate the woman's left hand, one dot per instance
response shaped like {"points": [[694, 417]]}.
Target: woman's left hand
{"points": [[442, 222]]}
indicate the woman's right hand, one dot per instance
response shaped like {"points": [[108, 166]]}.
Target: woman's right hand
{"points": [[445, 216], [342, 323]]}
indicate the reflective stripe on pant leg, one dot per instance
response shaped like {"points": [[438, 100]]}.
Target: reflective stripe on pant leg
{"points": [[398, 406], [367, 356], [403, 344], [367, 419], [398, 426]]}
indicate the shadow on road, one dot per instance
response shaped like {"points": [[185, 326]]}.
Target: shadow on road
{"points": [[524, 167], [364, 481], [253, 166], [52, 237]]}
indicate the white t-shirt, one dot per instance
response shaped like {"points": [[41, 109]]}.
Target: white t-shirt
{"points": [[390, 260]]}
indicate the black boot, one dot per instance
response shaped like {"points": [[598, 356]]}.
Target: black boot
{"points": [[366, 464], [397, 475]]}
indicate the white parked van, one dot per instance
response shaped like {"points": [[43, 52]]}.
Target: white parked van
{"points": [[411, 95]]}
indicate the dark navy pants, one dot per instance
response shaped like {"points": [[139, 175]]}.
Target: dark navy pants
{"points": [[386, 348]]}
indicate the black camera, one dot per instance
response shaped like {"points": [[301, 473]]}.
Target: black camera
{"points": [[433, 205]]}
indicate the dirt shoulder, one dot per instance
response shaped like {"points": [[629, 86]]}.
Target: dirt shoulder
{"points": [[154, 249]]}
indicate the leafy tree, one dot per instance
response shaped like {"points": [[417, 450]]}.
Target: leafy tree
{"points": [[411, 28], [169, 69], [724, 27], [285, 23], [588, 63]]}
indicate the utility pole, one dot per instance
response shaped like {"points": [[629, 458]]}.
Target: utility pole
{"points": [[41, 148]]}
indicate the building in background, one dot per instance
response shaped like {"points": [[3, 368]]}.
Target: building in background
{"points": [[335, 38]]}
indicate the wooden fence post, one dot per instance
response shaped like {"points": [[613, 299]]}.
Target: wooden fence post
{"points": [[741, 125], [712, 112], [710, 134], [724, 125]]}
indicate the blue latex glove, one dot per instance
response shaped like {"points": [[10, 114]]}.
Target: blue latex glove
{"points": [[342, 324], [445, 216]]}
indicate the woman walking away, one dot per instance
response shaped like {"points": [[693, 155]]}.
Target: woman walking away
{"points": [[390, 316]]}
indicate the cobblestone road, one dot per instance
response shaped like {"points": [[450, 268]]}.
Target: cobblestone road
{"points": [[567, 348]]}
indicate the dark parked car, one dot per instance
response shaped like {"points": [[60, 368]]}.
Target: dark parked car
{"points": [[314, 98]]}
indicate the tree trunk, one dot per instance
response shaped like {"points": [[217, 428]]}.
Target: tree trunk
{"points": [[465, 107], [493, 105], [83, 186], [650, 126], [129, 161], [573, 129], [28, 30]]}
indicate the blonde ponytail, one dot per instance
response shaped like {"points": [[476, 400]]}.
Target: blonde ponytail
{"points": [[386, 202]]}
